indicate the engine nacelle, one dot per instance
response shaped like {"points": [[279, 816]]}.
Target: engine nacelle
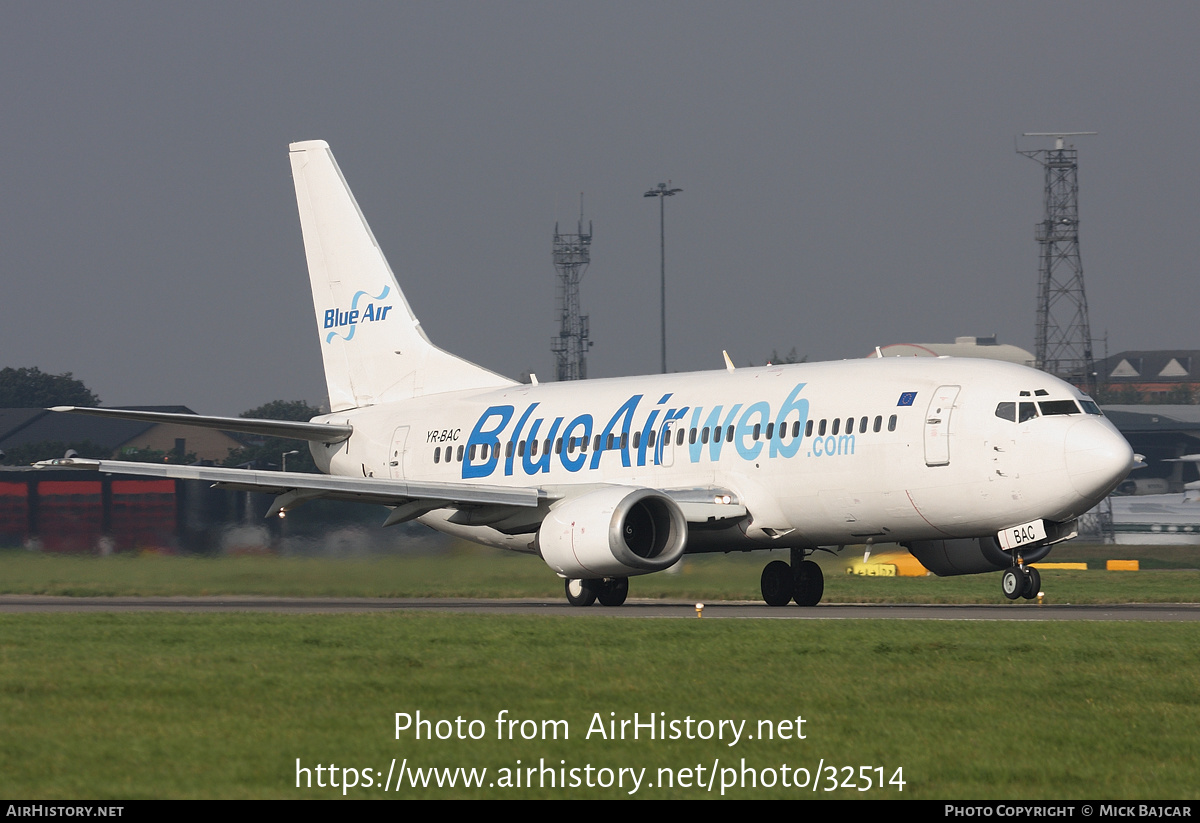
{"points": [[617, 531], [972, 555]]}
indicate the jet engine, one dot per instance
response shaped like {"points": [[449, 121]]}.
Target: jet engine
{"points": [[969, 555], [617, 531]]}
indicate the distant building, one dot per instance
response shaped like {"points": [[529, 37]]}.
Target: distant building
{"points": [[1161, 434], [1162, 376], [985, 347]]}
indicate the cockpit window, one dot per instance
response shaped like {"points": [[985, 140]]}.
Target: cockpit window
{"points": [[1090, 407], [1007, 411], [1028, 412], [1050, 407]]}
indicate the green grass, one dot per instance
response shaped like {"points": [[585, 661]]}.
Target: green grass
{"points": [[1149, 557], [181, 705], [477, 572], [222, 705]]}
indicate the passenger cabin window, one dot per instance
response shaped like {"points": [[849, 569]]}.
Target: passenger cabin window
{"points": [[837, 422], [878, 422], [1007, 411], [808, 427], [892, 423]]}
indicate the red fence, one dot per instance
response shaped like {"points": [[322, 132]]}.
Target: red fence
{"points": [[95, 513]]}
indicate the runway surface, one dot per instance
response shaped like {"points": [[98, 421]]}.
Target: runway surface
{"points": [[29, 604]]}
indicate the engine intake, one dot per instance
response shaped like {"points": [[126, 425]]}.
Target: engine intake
{"points": [[616, 531]]}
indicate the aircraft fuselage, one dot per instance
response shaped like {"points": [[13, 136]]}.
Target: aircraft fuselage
{"points": [[822, 454]]}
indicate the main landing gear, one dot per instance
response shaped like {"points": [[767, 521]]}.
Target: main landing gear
{"points": [[801, 581], [1021, 581], [610, 591]]}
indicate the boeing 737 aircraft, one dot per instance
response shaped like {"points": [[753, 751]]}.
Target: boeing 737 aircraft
{"points": [[972, 465]]}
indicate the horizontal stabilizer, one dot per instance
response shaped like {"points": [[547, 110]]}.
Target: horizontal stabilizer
{"points": [[316, 432]]}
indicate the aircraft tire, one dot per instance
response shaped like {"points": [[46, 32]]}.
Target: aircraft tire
{"points": [[581, 592], [1012, 583], [776, 583], [1033, 583], [809, 584], [613, 592]]}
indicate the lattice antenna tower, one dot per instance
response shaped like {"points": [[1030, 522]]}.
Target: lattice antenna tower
{"points": [[1064, 337], [572, 254]]}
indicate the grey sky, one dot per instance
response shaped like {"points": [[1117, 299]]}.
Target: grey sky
{"points": [[848, 172]]}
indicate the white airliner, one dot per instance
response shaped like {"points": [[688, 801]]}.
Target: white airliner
{"points": [[973, 466]]}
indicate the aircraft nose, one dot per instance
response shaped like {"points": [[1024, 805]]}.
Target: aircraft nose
{"points": [[1098, 458]]}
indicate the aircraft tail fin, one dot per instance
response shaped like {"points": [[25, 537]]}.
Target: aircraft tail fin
{"points": [[372, 344]]}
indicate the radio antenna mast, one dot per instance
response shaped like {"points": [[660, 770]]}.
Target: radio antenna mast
{"points": [[572, 254], [1063, 344]]}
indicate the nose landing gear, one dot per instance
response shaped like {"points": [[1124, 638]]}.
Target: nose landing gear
{"points": [[1021, 581]]}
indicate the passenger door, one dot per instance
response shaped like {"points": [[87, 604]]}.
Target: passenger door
{"points": [[937, 426]]}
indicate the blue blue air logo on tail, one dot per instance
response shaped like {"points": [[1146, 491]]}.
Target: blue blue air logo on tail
{"points": [[338, 319], [741, 428]]}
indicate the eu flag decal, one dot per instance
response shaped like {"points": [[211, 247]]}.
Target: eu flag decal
{"points": [[907, 398]]}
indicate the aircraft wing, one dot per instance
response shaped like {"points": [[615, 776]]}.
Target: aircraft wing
{"points": [[409, 498], [293, 488]]}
